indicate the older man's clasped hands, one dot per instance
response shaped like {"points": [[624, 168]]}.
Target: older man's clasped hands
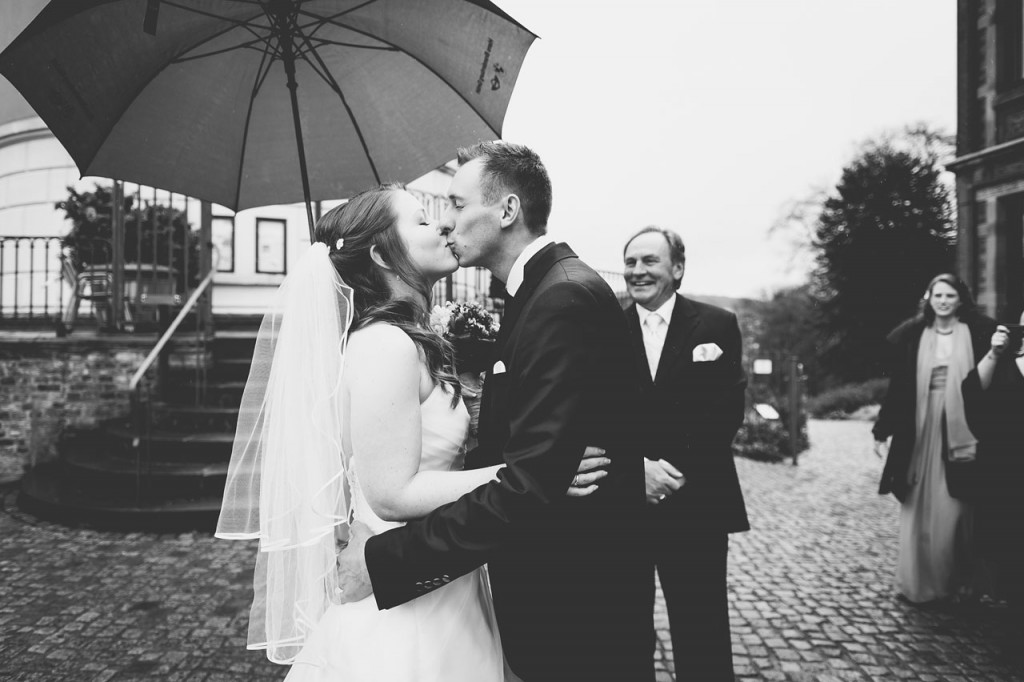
{"points": [[662, 478]]}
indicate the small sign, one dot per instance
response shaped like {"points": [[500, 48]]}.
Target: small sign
{"points": [[762, 366]]}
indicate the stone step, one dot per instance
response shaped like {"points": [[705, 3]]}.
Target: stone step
{"points": [[217, 393], [47, 493], [94, 468], [194, 418], [165, 445]]}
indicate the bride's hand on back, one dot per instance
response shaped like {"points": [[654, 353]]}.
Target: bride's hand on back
{"points": [[589, 473]]}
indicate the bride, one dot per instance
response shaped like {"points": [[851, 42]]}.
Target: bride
{"points": [[352, 412]]}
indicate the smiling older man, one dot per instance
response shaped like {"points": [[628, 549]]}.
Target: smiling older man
{"points": [[688, 356]]}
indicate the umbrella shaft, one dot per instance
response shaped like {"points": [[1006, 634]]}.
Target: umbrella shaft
{"points": [[283, 25]]}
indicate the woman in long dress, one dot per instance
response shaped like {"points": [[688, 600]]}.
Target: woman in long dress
{"points": [[923, 412], [994, 402], [352, 412]]}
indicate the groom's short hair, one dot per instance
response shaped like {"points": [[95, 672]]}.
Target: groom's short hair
{"points": [[515, 168]]}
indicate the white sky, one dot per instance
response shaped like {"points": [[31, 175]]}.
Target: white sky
{"points": [[707, 116]]}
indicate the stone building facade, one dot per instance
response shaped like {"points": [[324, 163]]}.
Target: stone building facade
{"points": [[990, 153]]}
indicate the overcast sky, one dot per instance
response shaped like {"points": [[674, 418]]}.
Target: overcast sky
{"points": [[708, 116]]}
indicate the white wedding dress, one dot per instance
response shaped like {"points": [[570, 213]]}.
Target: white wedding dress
{"points": [[447, 635]]}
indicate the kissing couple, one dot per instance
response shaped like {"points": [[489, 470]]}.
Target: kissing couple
{"points": [[521, 559]]}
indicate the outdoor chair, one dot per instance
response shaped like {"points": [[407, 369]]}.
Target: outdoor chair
{"points": [[93, 283]]}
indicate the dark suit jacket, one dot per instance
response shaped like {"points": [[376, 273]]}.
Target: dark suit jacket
{"points": [[566, 574], [692, 411], [898, 416]]}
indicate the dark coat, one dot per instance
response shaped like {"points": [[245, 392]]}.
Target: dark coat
{"points": [[567, 574], [898, 416], [691, 412], [996, 417]]}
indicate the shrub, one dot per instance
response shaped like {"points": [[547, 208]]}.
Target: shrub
{"points": [[154, 233], [768, 439], [841, 401]]}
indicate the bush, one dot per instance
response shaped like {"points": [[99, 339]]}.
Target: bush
{"points": [[842, 401], [154, 233]]}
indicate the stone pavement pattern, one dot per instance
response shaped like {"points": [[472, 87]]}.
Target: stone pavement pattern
{"points": [[811, 593]]}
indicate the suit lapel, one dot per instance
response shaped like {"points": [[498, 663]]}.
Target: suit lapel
{"points": [[636, 337], [685, 319], [533, 273]]}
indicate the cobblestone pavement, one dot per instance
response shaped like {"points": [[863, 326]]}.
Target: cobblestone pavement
{"points": [[811, 593], [811, 585]]}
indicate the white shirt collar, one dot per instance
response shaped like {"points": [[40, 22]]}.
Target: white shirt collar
{"points": [[518, 271], [665, 310]]}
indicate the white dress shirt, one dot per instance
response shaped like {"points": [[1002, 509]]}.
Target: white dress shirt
{"points": [[654, 325], [518, 271]]}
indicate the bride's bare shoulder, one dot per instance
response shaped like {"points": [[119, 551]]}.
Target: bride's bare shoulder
{"points": [[383, 341]]}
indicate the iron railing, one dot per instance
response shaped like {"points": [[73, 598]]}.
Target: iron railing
{"points": [[69, 280], [31, 284]]}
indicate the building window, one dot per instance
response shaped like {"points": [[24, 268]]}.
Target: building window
{"points": [[223, 229], [271, 246], [1011, 42]]}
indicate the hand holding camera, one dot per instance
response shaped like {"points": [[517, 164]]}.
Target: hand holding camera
{"points": [[1007, 339]]}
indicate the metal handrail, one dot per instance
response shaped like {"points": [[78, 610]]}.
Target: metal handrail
{"points": [[133, 385]]}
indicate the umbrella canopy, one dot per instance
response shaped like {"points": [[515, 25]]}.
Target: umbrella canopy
{"points": [[238, 101]]}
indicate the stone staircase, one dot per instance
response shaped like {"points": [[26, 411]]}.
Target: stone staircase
{"points": [[97, 480]]}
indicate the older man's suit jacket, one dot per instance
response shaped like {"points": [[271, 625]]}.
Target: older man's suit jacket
{"points": [[568, 575], [691, 412]]}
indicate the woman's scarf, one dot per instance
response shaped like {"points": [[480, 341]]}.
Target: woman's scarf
{"points": [[961, 442]]}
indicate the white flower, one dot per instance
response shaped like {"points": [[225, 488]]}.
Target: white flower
{"points": [[440, 317]]}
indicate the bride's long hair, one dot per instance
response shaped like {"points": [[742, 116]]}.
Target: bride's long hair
{"points": [[366, 220]]}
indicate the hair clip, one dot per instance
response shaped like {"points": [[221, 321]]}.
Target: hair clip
{"points": [[338, 244]]}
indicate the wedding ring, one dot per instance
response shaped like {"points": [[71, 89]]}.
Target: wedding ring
{"points": [[576, 481], [661, 497]]}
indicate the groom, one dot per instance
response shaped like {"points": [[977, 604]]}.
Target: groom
{"points": [[567, 574]]}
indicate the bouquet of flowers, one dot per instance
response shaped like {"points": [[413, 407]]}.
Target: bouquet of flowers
{"points": [[472, 331]]}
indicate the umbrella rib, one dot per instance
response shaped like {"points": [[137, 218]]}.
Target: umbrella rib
{"points": [[143, 87], [329, 79], [325, 41], [425, 66], [322, 21], [248, 43], [246, 23], [261, 76]]}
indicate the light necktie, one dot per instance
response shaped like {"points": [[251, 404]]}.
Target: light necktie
{"points": [[654, 340]]}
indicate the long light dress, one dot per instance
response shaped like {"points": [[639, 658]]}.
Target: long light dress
{"points": [[447, 635], [935, 528]]}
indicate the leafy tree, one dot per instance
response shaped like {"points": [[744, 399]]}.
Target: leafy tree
{"points": [[788, 324], [884, 231]]}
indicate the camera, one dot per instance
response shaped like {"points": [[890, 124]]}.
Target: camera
{"points": [[1016, 338]]}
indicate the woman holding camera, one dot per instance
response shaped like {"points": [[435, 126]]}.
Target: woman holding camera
{"points": [[923, 412], [994, 403]]}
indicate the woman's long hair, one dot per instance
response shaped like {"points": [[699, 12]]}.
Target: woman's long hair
{"points": [[366, 220], [966, 310]]}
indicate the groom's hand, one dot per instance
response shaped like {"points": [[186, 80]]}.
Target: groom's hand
{"points": [[353, 579], [589, 472]]}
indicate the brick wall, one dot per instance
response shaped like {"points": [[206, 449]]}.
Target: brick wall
{"points": [[49, 384]]}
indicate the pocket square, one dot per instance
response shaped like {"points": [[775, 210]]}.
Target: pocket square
{"points": [[707, 352], [499, 368]]}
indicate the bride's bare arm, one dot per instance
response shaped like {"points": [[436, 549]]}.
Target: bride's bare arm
{"points": [[383, 379]]}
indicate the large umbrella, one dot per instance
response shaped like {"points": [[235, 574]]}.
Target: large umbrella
{"points": [[253, 102]]}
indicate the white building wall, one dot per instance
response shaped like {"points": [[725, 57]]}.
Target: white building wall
{"points": [[35, 172]]}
